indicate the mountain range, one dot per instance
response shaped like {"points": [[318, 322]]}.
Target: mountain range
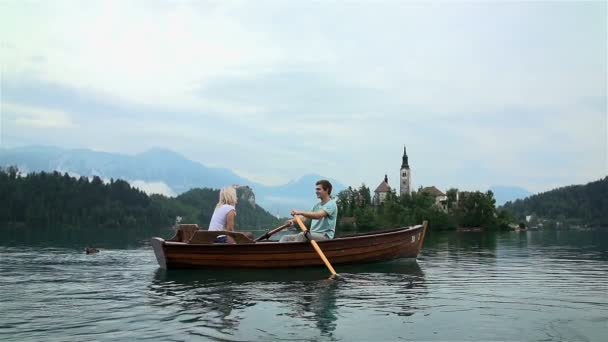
{"points": [[163, 171], [504, 194]]}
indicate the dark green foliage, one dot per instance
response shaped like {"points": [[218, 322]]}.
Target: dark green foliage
{"points": [[197, 205], [52, 200], [475, 209], [585, 205]]}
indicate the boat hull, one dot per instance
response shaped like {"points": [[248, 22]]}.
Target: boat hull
{"points": [[355, 249]]}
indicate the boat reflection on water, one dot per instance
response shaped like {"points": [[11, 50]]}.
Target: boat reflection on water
{"points": [[220, 299]]}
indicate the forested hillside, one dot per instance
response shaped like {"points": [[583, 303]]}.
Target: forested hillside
{"points": [[56, 201], [585, 205]]}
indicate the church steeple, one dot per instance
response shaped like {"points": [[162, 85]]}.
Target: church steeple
{"points": [[405, 177], [404, 163]]}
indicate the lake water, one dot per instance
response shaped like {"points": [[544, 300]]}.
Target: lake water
{"points": [[531, 286]]}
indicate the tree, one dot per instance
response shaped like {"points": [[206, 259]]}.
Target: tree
{"points": [[585, 205], [365, 198], [452, 195], [55, 201], [476, 209]]}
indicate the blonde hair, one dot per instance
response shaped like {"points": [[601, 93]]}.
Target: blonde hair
{"points": [[227, 196]]}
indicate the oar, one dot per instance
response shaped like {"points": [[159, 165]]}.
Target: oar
{"points": [[316, 247], [272, 232]]}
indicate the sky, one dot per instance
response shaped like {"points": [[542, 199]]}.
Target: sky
{"points": [[481, 93]]}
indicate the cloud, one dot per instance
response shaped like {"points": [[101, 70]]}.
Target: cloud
{"points": [[481, 94], [145, 55], [153, 187], [37, 117]]}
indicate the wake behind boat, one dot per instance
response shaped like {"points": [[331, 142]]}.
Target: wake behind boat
{"points": [[194, 248]]}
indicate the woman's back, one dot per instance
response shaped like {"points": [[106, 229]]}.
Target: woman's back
{"points": [[218, 219]]}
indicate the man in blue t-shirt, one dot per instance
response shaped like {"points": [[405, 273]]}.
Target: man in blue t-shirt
{"points": [[323, 215]]}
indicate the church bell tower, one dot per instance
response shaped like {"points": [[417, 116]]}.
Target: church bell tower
{"points": [[405, 176]]}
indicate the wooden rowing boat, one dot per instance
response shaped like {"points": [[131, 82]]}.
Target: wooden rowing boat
{"points": [[191, 248]]}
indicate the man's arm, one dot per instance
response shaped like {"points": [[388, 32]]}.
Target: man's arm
{"points": [[314, 215], [307, 215]]}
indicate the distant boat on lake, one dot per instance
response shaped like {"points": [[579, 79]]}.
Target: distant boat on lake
{"points": [[192, 248], [91, 250]]}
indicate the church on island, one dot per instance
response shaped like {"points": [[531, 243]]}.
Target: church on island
{"points": [[405, 184]]}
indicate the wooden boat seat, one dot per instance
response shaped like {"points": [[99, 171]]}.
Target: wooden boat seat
{"points": [[184, 232], [206, 237]]}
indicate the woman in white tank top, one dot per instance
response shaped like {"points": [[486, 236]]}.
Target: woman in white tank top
{"points": [[225, 211]]}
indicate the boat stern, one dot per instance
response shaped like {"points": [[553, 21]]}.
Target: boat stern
{"points": [[425, 225], [159, 251]]}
